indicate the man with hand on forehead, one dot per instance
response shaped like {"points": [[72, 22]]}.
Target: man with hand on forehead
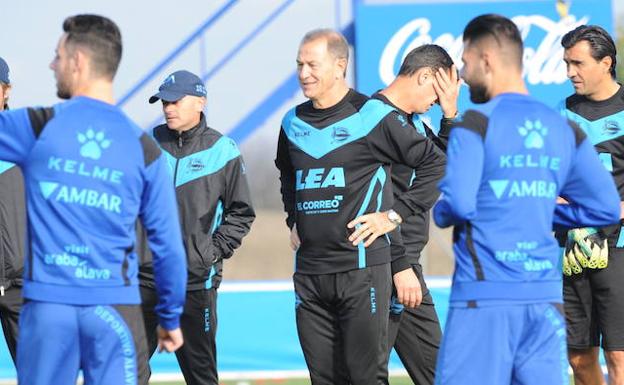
{"points": [[427, 76]]}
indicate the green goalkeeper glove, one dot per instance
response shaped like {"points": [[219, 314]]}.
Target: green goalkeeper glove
{"points": [[585, 248]]}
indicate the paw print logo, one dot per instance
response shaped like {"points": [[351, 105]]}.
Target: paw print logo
{"points": [[92, 143], [534, 133]]}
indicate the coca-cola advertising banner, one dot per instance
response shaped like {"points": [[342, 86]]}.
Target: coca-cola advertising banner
{"points": [[386, 30]]}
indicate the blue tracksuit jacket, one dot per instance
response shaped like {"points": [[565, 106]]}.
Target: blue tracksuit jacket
{"points": [[508, 161], [89, 172]]}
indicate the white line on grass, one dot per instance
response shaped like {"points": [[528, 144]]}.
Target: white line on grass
{"points": [[285, 285]]}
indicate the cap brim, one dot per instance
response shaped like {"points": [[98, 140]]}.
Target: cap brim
{"points": [[167, 96]]}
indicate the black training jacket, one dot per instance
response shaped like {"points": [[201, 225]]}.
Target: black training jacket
{"points": [[603, 123], [334, 166], [415, 229], [214, 201], [12, 226]]}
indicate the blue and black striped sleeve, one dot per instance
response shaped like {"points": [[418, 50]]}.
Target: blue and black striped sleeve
{"points": [[464, 169], [19, 130], [159, 215]]}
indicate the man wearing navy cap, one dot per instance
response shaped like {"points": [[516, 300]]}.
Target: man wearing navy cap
{"points": [[5, 85], [215, 210], [12, 232]]}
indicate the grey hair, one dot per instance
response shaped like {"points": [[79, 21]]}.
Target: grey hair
{"points": [[337, 44]]}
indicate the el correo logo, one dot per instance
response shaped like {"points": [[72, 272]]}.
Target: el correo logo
{"points": [[542, 64]]}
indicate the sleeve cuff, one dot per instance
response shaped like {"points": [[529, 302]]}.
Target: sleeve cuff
{"points": [[446, 124], [440, 216], [218, 253], [400, 264], [290, 221], [169, 323], [403, 210]]}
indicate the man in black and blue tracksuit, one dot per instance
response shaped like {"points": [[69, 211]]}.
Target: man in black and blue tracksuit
{"points": [[508, 161], [334, 156], [89, 172], [594, 296], [214, 203], [12, 233], [426, 75]]}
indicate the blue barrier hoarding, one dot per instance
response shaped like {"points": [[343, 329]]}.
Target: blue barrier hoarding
{"points": [[256, 333], [385, 31]]}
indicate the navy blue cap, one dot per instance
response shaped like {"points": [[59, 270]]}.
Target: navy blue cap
{"points": [[177, 85], [4, 72]]}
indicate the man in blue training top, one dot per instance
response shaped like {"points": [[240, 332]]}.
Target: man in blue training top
{"points": [[89, 173], [508, 161]]}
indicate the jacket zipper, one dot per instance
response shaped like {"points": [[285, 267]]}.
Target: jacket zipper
{"points": [[2, 257], [175, 171]]}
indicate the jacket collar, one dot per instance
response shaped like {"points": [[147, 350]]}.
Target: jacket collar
{"points": [[185, 136]]}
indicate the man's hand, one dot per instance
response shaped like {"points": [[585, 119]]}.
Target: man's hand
{"points": [[408, 289], [169, 340], [370, 226], [295, 242], [447, 89]]}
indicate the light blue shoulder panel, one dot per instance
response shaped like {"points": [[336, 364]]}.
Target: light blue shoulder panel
{"points": [[319, 142], [206, 162], [600, 130], [5, 166]]}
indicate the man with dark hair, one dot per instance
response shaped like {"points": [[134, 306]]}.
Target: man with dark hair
{"points": [[90, 172], [334, 155], [427, 76], [12, 233], [215, 210], [508, 161], [594, 259], [101, 37]]}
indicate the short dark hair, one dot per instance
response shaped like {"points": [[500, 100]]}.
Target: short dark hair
{"points": [[600, 43], [100, 36], [426, 56], [502, 29]]}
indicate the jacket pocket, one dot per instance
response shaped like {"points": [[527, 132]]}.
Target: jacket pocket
{"points": [[199, 257]]}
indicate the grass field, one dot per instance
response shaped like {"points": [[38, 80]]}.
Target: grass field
{"points": [[305, 381], [393, 381]]}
